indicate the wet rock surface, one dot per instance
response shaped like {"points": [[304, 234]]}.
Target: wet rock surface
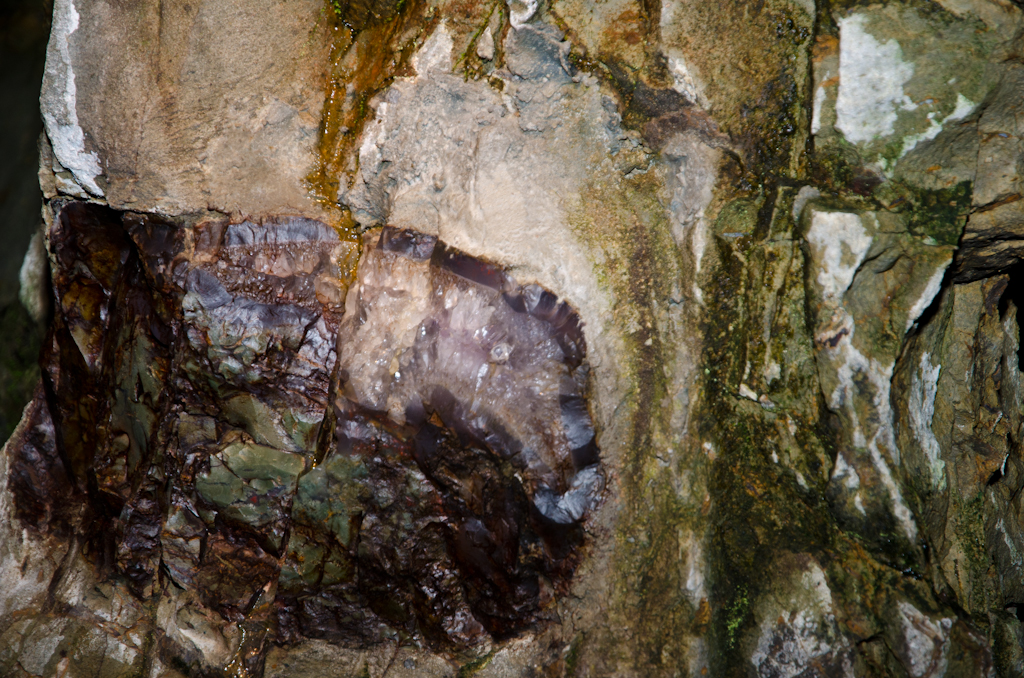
{"points": [[881, 294], [597, 339], [203, 437]]}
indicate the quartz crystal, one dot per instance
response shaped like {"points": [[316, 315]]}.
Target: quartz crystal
{"points": [[409, 455]]}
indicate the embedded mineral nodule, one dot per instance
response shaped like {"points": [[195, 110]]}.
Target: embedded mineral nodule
{"points": [[406, 453]]}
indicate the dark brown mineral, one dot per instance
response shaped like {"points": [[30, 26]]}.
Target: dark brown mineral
{"points": [[407, 456]]}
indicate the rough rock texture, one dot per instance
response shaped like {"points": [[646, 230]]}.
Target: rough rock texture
{"points": [[444, 338], [191, 81], [222, 466]]}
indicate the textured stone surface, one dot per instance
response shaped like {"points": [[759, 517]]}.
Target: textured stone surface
{"points": [[217, 103], [870, 282], [220, 459], [623, 338]]}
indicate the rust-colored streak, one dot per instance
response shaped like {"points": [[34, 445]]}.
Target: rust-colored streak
{"points": [[372, 44]]}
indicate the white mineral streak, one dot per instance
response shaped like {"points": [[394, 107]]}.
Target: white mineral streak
{"points": [[748, 393], [1015, 555], [668, 11], [698, 243], [871, 79], [855, 364], [60, 100], [521, 11], [1013, 389], [923, 386], [803, 196], [798, 637], [926, 298], [842, 243], [926, 642], [693, 177], [38, 650], [695, 566], [683, 81], [373, 138], [846, 473], [182, 624], [807, 6], [65, 183], [819, 102], [964, 107], [485, 45], [814, 580], [697, 657], [859, 503]]}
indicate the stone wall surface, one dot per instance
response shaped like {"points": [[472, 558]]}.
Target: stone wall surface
{"points": [[570, 338]]}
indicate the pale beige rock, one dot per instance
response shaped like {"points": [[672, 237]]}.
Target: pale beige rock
{"points": [[209, 104]]}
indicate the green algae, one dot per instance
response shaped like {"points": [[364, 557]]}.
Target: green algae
{"points": [[331, 495], [768, 496], [475, 666], [970, 517], [639, 264], [572, 657], [468, 62], [942, 214], [766, 484]]}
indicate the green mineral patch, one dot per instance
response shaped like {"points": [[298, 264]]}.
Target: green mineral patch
{"points": [[259, 420], [302, 428], [331, 495], [303, 566], [251, 484]]}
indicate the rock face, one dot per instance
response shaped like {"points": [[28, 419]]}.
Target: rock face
{"points": [[433, 489], [442, 338]]}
